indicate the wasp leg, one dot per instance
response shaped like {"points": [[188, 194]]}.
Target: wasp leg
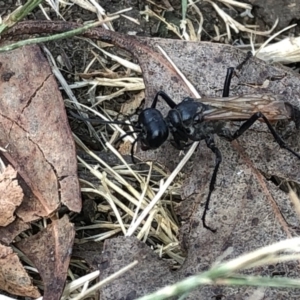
{"points": [[227, 82], [211, 145], [168, 100], [179, 146], [133, 144], [132, 151], [230, 72], [295, 116], [246, 125]]}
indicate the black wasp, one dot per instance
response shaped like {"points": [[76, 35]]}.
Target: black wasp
{"points": [[191, 120]]}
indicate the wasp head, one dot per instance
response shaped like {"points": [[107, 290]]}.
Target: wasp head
{"points": [[154, 130]]}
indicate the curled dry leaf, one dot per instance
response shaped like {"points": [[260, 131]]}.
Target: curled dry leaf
{"points": [[125, 148], [130, 107], [35, 132], [13, 277], [50, 251], [9, 232], [11, 195]]}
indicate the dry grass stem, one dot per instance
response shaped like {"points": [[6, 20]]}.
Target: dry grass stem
{"points": [[131, 19], [237, 4], [77, 283], [286, 51], [190, 86], [127, 64], [162, 190], [201, 19], [136, 200], [236, 26], [98, 285], [266, 255], [149, 13], [122, 11], [85, 5]]}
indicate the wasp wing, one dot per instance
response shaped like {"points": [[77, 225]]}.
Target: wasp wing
{"points": [[243, 107]]}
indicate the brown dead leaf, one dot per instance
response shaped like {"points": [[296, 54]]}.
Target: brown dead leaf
{"points": [[9, 232], [130, 107], [150, 273], [13, 277], [245, 208], [125, 148], [36, 134], [50, 251], [11, 195], [91, 252]]}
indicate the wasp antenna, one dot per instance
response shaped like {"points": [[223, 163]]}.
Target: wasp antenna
{"points": [[168, 100], [126, 134], [132, 151], [98, 121]]}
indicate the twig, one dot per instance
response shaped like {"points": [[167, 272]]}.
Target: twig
{"points": [[18, 14], [58, 36]]}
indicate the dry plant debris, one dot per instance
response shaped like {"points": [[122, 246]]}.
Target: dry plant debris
{"points": [[266, 211], [38, 144], [50, 251], [13, 277], [36, 134], [11, 195]]}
